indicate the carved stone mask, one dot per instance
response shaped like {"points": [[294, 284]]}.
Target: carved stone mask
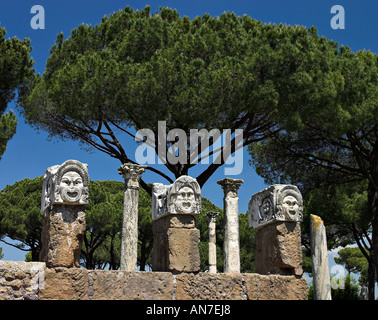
{"points": [[67, 183], [266, 208], [279, 202], [185, 201], [71, 187], [290, 207]]}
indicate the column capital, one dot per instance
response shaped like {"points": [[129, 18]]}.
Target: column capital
{"points": [[212, 215], [132, 174], [229, 184]]}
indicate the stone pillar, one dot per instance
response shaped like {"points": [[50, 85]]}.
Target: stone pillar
{"points": [[129, 243], [176, 237], [276, 213], [65, 193], [212, 241], [231, 247], [319, 254]]}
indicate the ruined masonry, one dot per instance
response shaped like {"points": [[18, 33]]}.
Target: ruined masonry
{"points": [[212, 216], [276, 213], [64, 198], [231, 246], [176, 238], [129, 243], [319, 255]]}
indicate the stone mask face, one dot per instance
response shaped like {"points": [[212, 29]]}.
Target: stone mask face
{"points": [[71, 187], [290, 206], [185, 201]]}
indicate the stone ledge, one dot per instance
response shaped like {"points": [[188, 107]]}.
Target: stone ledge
{"points": [[209, 286], [65, 284], [29, 280], [130, 285]]}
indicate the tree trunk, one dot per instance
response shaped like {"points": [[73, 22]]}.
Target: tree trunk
{"points": [[35, 253], [371, 278], [143, 258], [89, 259], [373, 207], [112, 254]]}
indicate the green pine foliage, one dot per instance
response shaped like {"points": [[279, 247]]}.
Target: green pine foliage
{"points": [[136, 68], [15, 67]]}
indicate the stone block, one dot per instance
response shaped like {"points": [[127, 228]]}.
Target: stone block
{"points": [[21, 280], [124, 285], [176, 244], [209, 286], [65, 284], [183, 255], [274, 287], [176, 250], [278, 249], [62, 236], [174, 221]]}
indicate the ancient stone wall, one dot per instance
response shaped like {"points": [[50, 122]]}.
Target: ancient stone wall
{"points": [[21, 280], [33, 281]]}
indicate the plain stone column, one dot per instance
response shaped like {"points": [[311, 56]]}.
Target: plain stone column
{"points": [[319, 253], [231, 247], [129, 243], [212, 241]]}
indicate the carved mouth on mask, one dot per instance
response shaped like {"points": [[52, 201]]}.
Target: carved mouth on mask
{"points": [[71, 195], [186, 205]]}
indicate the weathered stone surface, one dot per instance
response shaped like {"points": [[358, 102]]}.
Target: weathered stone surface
{"points": [[174, 221], [212, 241], [183, 250], [176, 238], [62, 236], [209, 286], [279, 202], [274, 287], [21, 280], [319, 254], [67, 183], [129, 243], [65, 284], [181, 197], [65, 194], [231, 247], [175, 249], [278, 249], [123, 285], [81, 284]]}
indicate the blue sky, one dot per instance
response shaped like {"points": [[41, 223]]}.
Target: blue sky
{"points": [[29, 153]]}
